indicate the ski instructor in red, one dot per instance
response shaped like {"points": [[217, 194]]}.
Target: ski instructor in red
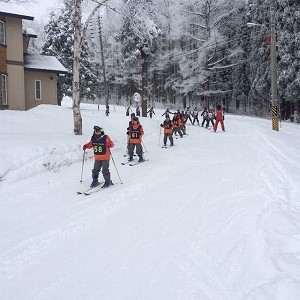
{"points": [[101, 143], [219, 116]]}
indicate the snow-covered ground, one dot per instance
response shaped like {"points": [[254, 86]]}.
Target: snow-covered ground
{"points": [[217, 217]]}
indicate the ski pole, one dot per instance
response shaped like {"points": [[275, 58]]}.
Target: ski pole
{"points": [[159, 136], [82, 165], [127, 145], [116, 167], [144, 147]]}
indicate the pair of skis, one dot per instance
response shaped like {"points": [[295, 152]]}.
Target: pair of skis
{"points": [[94, 189], [165, 146], [133, 162]]}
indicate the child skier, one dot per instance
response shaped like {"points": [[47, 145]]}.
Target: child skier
{"points": [[132, 116], [210, 118], [107, 110], [182, 122], [137, 111], [167, 125], [151, 112], [167, 112], [204, 115], [135, 132], [176, 125], [195, 116], [101, 143], [188, 115]]}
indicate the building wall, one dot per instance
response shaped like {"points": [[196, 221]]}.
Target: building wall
{"points": [[15, 87], [3, 68], [15, 64], [14, 39], [48, 88]]}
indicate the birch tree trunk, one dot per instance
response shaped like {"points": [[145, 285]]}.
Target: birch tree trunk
{"points": [[76, 65], [79, 33]]}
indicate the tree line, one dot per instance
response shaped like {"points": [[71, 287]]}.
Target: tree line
{"points": [[193, 53]]}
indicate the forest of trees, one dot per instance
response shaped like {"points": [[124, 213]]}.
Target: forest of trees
{"points": [[182, 53]]}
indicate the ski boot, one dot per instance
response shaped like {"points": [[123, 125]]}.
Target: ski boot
{"points": [[95, 182], [107, 183]]}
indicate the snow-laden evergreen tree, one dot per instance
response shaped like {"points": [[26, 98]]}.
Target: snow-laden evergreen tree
{"points": [[259, 58], [236, 74], [227, 55], [59, 42], [104, 27], [138, 39], [207, 60], [166, 78], [288, 49]]}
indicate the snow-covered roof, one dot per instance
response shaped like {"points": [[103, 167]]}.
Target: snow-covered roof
{"points": [[39, 62], [15, 10], [29, 32]]}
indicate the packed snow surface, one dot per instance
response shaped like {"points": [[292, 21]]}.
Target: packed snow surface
{"points": [[216, 217]]}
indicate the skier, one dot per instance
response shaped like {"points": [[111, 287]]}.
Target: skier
{"points": [[182, 121], [210, 118], [132, 116], [167, 112], [128, 111], [167, 125], [151, 112], [107, 110], [137, 111], [135, 133], [101, 143], [176, 125], [188, 115], [195, 116], [219, 116], [204, 115]]}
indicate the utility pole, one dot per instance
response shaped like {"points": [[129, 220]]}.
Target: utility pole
{"points": [[144, 57], [103, 62], [273, 68]]}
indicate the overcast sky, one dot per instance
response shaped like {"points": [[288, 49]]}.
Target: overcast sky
{"points": [[42, 8]]}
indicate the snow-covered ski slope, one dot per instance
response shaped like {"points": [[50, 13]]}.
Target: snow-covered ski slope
{"points": [[216, 217]]}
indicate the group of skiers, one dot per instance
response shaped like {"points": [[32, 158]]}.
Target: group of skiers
{"points": [[138, 111], [174, 126], [101, 143], [208, 116]]}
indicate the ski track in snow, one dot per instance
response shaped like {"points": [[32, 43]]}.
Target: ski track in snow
{"points": [[216, 217]]}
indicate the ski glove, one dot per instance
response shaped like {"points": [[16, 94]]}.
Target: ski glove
{"points": [[84, 147], [108, 144]]}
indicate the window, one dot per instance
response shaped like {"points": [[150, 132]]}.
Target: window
{"points": [[38, 90], [4, 89], [2, 32]]}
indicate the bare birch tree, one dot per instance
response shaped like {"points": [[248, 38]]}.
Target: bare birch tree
{"points": [[79, 33]]}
